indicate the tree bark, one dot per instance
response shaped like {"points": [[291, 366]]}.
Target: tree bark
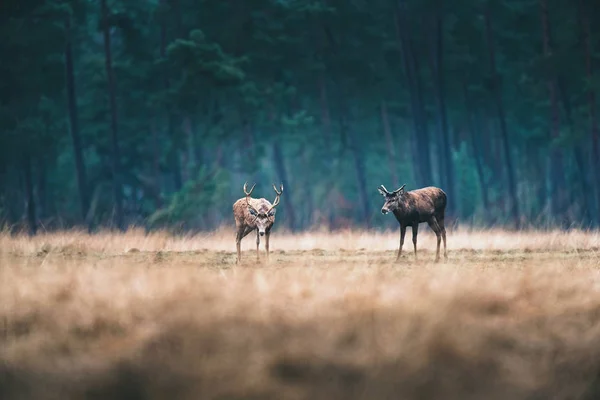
{"points": [[496, 88], [446, 164], [474, 134], [156, 165], [29, 196], [592, 116], [391, 151], [420, 143], [173, 155], [114, 139], [556, 158], [282, 173], [582, 169], [74, 124]]}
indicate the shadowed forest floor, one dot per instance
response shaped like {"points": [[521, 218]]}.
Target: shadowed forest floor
{"points": [[510, 315]]}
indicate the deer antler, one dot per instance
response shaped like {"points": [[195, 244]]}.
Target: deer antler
{"points": [[397, 190], [246, 187], [277, 198], [248, 193]]}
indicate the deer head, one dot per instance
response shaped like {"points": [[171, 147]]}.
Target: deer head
{"points": [[263, 220], [391, 198]]}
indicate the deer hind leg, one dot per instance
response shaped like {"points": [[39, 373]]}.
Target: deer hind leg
{"points": [[402, 233], [433, 224], [415, 230], [443, 229], [238, 244]]}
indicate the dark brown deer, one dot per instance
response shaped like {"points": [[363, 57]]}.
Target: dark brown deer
{"points": [[254, 215], [416, 206]]}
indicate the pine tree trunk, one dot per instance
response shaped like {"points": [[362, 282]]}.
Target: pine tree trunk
{"points": [[593, 119], [74, 124], [497, 92], [173, 155], [290, 211], [474, 134], [156, 165], [446, 164], [29, 196], [582, 169], [325, 114], [114, 139], [278, 160], [556, 158], [391, 151], [420, 142]]}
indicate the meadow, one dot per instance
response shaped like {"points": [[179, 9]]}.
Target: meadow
{"points": [[510, 315]]}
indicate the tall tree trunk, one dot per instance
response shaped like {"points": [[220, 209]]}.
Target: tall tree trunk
{"points": [[556, 158], [325, 114], [74, 124], [279, 162], [446, 164], [156, 165], [420, 142], [592, 116], [389, 142], [326, 125], [475, 140], [173, 155], [497, 92], [30, 198], [114, 139], [357, 155], [582, 169], [347, 134], [42, 192]]}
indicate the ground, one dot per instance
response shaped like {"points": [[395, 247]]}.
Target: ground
{"points": [[330, 315]]}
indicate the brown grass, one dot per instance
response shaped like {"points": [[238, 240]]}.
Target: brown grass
{"points": [[510, 315]]}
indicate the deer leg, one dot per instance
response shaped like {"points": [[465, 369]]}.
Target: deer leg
{"points": [[257, 244], [268, 235], [415, 230], [402, 233], [433, 224], [238, 243], [443, 229]]}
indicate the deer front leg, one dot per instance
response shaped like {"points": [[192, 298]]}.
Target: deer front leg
{"points": [[268, 235], [257, 244], [415, 230], [402, 233]]}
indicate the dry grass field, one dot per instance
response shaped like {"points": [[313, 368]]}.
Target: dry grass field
{"points": [[330, 315]]}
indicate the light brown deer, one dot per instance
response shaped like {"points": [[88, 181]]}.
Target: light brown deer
{"points": [[416, 206], [254, 215]]}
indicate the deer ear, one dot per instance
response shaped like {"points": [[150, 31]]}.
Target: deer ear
{"points": [[381, 191], [252, 211]]}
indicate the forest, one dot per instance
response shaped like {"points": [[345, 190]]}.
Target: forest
{"points": [[121, 113]]}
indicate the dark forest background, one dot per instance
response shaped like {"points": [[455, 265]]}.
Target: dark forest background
{"points": [[116, 113]]}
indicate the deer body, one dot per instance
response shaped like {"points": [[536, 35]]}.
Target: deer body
{"points": [[254, 215], [415, 207]]}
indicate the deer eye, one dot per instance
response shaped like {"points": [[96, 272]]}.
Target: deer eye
{"points": [[252, 212], [271, 213]]}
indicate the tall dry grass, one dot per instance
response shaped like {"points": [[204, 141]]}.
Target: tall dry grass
{"points": [[223, 240], [330, 316]]}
